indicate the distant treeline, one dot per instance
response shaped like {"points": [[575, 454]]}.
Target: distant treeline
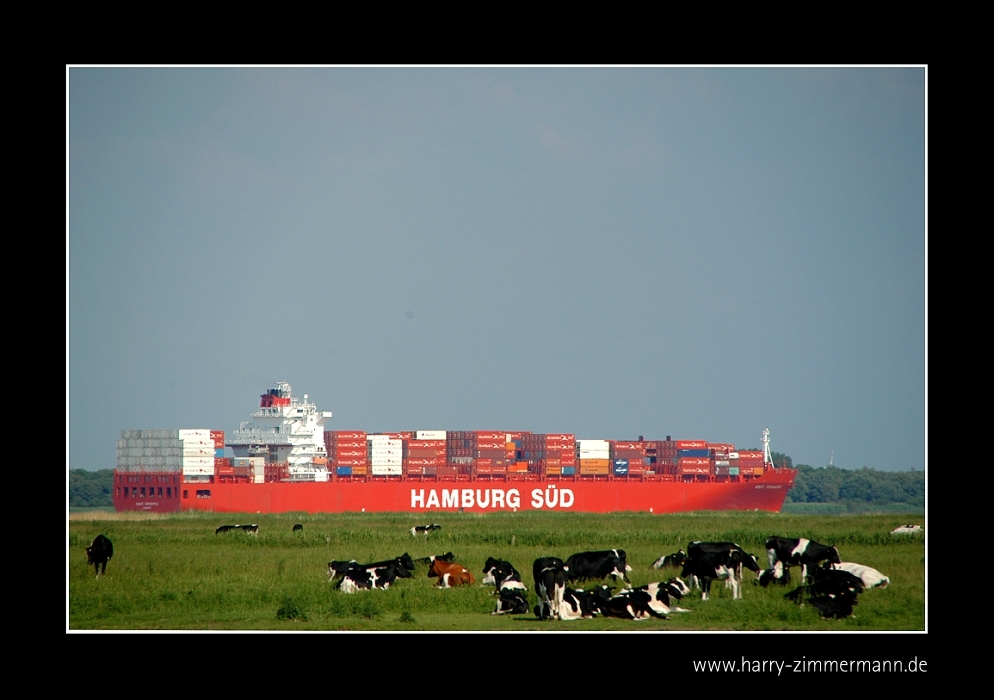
{"points": [[90, 489], [856, 486]]}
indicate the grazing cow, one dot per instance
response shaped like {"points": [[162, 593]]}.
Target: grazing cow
{"points": [[450, 574], [298, 528], [99, 553], [800, 552], [906, 530], [645, 602], [833, 592], [678, 558], [580, 604], [424, 529], [597, 565], [778, 574], [870, 578], [549, 574], [224, 528], [749, 561], [721, 565]]}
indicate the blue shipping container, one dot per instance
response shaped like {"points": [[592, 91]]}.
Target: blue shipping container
{"points": [[621, 467], [569, 471], [343, 471], [693, 453]]}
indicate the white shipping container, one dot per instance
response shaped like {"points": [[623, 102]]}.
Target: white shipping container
{"points": [[201, 433], [378, 461], [257, 461], [198, 442], [733, 455], [429, 434], [595, 454], [198, 471], [260, 478], [386, 452], [593, 444], [385, 469], [198, 462], [198, 451]]}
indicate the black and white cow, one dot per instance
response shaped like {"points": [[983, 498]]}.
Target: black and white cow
{"points": [[510, 589], [597, 565], [447, 557], [800, 552], [251, 529], [358, 577], [746, 560], [549, 574], [502, 574], [424, 529], [870, 577], [832, 592], [99, 553], [511, 601], [580, 604], [778, 574], [652, 600], [678, 558], [721, 565]]}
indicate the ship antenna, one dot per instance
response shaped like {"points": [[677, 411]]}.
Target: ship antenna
{"points": [[767, 457], [832, 458]]}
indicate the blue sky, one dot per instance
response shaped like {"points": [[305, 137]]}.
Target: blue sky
{"points": [[611, 252]]}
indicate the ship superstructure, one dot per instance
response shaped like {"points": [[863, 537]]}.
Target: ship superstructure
{"points": [[285, 430]]}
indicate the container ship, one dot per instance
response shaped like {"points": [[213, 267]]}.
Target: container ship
{"points": [[285, 459]]}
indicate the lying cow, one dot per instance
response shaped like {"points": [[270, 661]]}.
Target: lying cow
{"points": [[906, 530], [359, 577], [678, 558], [580, 604], [871, 578], [652, 600], [501, 574], [549, 574], [800, 552], [447, 557], [99, 553], [778, 574], [450, 574], [424, 529], [597, 565], [251, 529], [833, 593], [298, 528], [510, 590]]}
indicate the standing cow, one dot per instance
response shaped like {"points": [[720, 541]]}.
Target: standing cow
{"points": [[99, 553]]}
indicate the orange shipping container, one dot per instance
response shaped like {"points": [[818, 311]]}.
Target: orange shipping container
{"points": [[590, 469], [595, 463]]}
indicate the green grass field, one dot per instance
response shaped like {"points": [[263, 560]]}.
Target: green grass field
{"points": [[172, 572]]}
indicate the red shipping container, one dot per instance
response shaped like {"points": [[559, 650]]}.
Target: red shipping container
{"points": [[563, 437], [347, 435], [751, 454], [695, 462], [617, 445], [349, 444], [418, 444], [488, 435]]}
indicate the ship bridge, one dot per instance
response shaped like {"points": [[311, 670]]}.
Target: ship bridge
{"points": [[284, 429]]}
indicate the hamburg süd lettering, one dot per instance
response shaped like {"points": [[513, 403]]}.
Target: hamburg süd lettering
{"points": [[491, 499]]}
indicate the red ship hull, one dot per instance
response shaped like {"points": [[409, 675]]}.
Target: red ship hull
{"points": [[766, 493]]}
